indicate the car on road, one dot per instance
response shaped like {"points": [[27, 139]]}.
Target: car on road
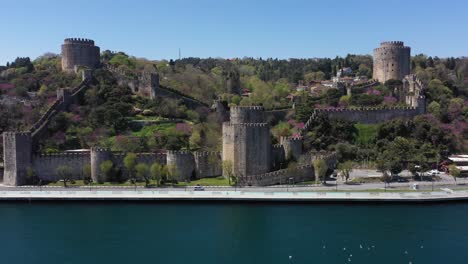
{"points": [[433, 172], [198, 188]]}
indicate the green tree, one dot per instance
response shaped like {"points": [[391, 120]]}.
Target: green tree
{"points": [[172, 173], [64, 172], [320, 170], [31, 175], [87, 174], [142, 172], [434, 108], [345, 169], [156, 172], [107, 170], [454, 171], [130, 162], [228, 171]]}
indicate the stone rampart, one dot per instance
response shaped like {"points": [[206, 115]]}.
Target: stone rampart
{"points": [[292, 147], [285, 176], [182, 163], [207, 164], [45, 165], [147, 84], [278, 156], [372, 115]]}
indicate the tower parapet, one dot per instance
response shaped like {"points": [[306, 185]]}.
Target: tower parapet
{"points": [[391, 61], [79, 52], [247, 114]]}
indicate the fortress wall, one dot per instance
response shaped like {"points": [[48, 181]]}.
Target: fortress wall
{"points": [[45, 165], [207, 164], [285, 176], [184, 164], [147, 84], [373, 115], [292, 147], [147, 158], [277, 156]]}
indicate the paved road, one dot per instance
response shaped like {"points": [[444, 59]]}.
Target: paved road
{"points": [[330, 186]]}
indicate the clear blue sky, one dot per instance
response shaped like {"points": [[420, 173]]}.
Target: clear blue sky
{"points": [[234, 28]]}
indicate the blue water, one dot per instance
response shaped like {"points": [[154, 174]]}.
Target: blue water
{"points": [[232, 233]]}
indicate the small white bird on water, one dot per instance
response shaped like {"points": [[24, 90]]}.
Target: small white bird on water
{"points": [[360, 246], [290, 257]]}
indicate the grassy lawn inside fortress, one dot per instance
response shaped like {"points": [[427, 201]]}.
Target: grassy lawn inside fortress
{"points": [[366, 133]]}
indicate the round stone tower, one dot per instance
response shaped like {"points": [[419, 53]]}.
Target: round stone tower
{"points": [[98, 156], [79, 52], [391, 61]]}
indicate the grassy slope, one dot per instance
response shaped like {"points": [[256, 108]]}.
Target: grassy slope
{"points": [[366, 133]]}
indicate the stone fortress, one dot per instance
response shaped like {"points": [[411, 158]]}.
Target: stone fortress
{"points": [[78, 52], [392, 61], [246, 141]]}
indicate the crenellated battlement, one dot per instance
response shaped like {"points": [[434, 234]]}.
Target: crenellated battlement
{"points": [[179, 152], [248, 108], [391, 61], [277, 147], [206, 153], [292, 138], [81, 41], [391, 43], [79, 52], [67, 154], [246, 124]]}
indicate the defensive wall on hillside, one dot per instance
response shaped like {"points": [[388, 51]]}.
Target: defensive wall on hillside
{"points": [[369, 115], [147, 84], [303, 172]]}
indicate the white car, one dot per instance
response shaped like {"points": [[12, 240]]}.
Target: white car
{"points": [[433, 172], [198, 188]]}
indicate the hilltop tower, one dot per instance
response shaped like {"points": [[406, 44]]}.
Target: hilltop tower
{"points": [[246, 141], [391, 61], [79, 52]]}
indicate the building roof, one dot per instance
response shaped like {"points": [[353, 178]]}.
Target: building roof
{"points": [[458, 158]]}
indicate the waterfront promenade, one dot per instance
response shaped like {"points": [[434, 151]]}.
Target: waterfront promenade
{"points": [[257, 194]]}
